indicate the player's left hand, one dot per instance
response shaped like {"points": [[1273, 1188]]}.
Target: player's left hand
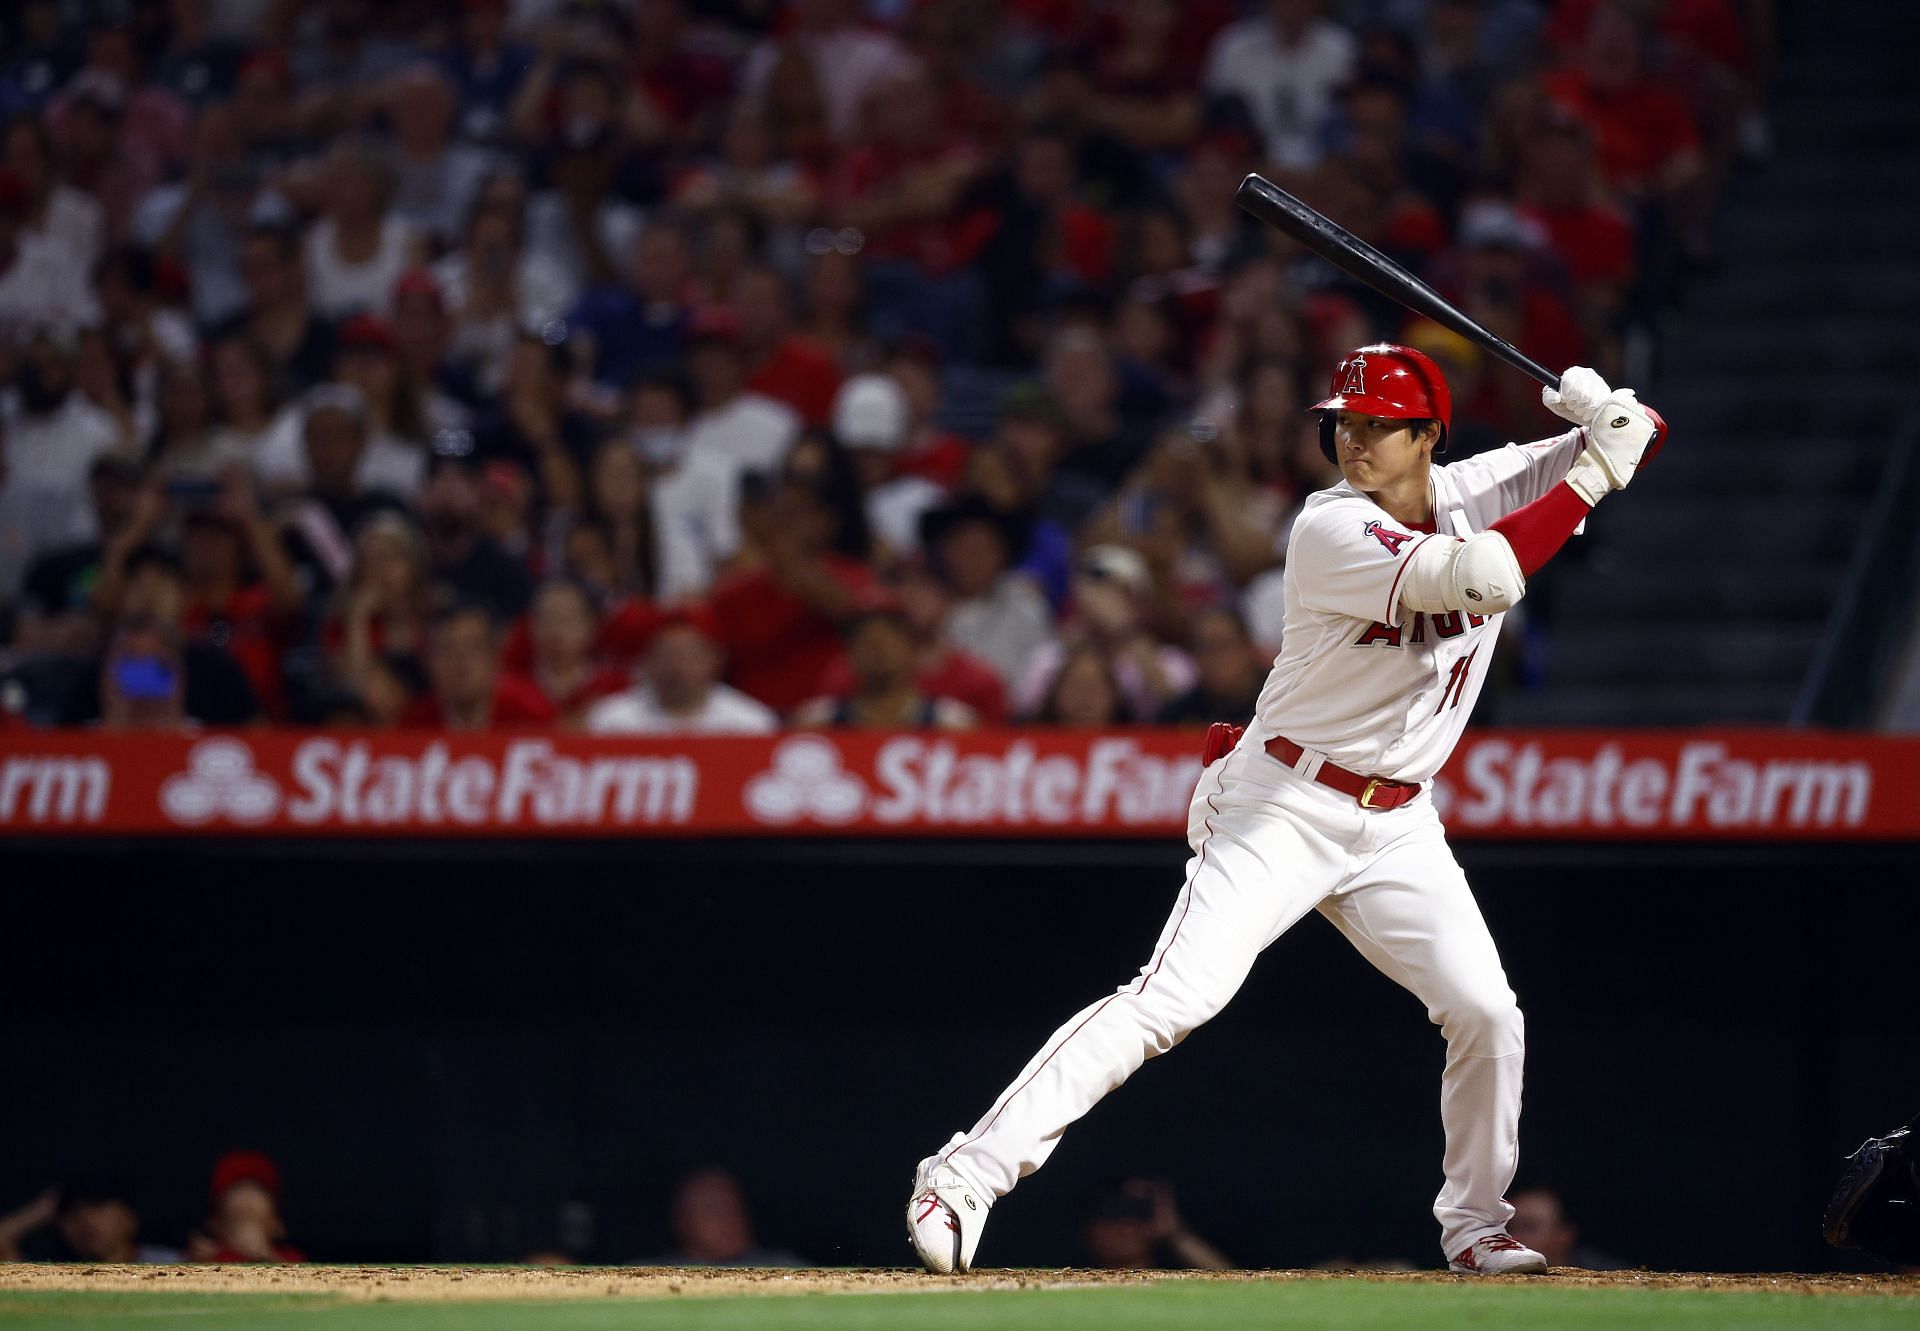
{"points": [[1581, 393]]}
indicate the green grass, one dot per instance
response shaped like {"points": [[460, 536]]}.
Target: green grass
{"points": [[1348, 1306]]}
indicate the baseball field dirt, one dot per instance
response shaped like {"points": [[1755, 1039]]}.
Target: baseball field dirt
{"points": [[351, 1298]]}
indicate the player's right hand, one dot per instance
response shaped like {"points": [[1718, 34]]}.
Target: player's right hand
{"points": [[1579, 396]]}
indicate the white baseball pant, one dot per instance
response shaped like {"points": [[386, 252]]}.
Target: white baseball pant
{"points": [[1268, 846]]}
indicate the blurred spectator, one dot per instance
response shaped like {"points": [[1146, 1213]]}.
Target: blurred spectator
{"points": [[495, 288], [941, 669], [681, 692], [57, 215], [781, 620], [152, 675], [1110, 590], [383, 603], [1540, 1221], [712, 1226], [786, 366], [565, 626], [471, 563], [41, 285], [882, 659], [468, 688], [83, 1222], [243, 1221], [1645, 135], [277, 314], [358, 248], [56, 613], [184, 449], [1283, 65], [998, 613], [870, 417], [339, 450], [51, 442], [1084, 693], [848, 58], [486, 65], [250, 421], [241, 591], [435, 177], [1231, 672], [640, 323], [731, 424], [322, 517], [1133, 1225], [200, 221]]}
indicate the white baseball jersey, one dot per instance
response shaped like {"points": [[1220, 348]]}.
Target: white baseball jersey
{"points": [[1377, 689]]}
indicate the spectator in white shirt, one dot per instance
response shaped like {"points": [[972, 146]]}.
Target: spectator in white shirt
{"points": [[52, 436], [1285, 66], [748, 431], [848, 58], [693, 501], [998, 614], [437, 177], [495, 288], [56, 212], [40, 284], [872, 418], [682, 693], [358, 248]]}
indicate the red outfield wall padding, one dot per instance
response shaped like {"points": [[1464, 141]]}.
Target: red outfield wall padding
{"points": [[1566, 784]]}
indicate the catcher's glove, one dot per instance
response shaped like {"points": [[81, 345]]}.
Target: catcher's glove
{"points": [[1876, 1208]]}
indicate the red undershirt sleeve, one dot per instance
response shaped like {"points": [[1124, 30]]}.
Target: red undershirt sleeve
{"points": [[1536, 531]]}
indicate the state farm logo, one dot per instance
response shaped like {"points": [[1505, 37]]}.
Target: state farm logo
{"points": [[220, 782], [806, 781], [916, 780]]}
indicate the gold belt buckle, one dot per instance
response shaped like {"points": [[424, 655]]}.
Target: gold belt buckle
{"points": [[1366, 796]]}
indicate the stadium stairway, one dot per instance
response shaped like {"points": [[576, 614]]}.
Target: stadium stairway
{"points": [[1706, 589]]}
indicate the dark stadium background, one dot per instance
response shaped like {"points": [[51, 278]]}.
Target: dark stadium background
{"points": [[449, 1044]]}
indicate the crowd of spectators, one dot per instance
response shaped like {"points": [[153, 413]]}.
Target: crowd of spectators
{"points": [[718, 364]]}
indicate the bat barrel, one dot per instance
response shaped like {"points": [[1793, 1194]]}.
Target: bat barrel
{"points": [[1265, 200]]}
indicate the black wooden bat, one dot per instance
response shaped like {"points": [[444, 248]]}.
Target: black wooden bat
{"points": [[1361, 261]]}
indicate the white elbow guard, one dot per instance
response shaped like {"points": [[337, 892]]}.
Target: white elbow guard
{"points": [[1479, 574]]}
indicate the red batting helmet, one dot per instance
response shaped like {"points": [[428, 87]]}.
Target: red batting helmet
{"points": [[1388, 380]]}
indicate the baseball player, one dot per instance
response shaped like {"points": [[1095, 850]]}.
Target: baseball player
{"points": [[1396, 581]]}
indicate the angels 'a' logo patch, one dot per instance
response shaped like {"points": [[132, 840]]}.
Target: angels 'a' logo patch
{"points": [[1356, 380], [1387, 536]]}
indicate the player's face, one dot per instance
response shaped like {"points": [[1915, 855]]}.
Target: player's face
{"points": [[1374, 452]]}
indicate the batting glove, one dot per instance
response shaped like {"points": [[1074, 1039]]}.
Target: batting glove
{"points": [[1579, 396]]}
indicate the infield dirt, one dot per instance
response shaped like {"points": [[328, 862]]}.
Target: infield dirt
{"points": [[431, 1284]]}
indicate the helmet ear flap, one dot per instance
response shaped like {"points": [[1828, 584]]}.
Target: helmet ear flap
{"points": [[1326, 436]]}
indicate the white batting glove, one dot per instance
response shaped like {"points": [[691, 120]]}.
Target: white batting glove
{"points": [[1579, 397], [1616, 442]]}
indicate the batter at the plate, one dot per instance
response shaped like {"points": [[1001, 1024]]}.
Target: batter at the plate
{"points": [[1396, 579]]}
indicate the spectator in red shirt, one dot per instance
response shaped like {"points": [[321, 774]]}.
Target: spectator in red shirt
{"points": [[241, 592], [781, 620], [565, 626], [1561, 190], [1648, 141], [244, 1224], [784, 365], [468, 690]]}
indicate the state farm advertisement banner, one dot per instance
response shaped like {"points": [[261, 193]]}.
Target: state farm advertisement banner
{"points": [[1573, 785]]}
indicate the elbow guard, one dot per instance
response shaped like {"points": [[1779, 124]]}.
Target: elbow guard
{"points": [[1479, 574]]}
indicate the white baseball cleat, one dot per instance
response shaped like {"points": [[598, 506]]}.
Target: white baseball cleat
{"points": [[1498, 1255], [945, 1216]]}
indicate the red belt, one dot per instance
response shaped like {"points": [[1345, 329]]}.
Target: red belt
{"points": [[1372, 792]]}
